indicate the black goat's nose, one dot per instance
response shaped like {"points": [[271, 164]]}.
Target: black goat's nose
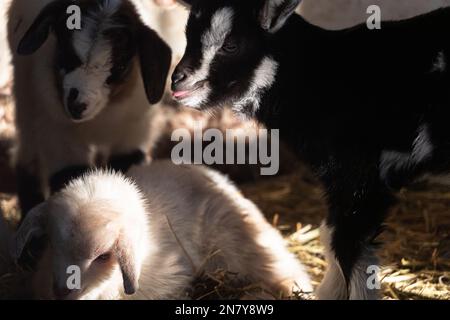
{"points": [[75, 107], [178, 76], [73, 95]]}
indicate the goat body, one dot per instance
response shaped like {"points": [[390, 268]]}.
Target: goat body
{"points": [[82, 97], [187, 222], [367, 109]]}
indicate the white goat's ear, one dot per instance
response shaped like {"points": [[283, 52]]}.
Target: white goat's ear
{"points": [[32, 226], [38, 33], [125, 253], [155, 58], [274, 13]]}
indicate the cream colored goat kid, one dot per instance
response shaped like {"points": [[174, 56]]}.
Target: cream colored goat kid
{"points": [[151, 239]]}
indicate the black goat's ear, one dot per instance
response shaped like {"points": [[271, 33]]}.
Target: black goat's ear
{"points": [[155, 57], [38, 33], [274, 13]]}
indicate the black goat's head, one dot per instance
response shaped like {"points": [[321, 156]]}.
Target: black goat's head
{"points": [[227, 60]]}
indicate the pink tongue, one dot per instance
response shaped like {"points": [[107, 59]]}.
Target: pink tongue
{"points": [[179, 94]]}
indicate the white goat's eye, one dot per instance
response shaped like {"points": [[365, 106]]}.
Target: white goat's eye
{"points": [[103, 258]]}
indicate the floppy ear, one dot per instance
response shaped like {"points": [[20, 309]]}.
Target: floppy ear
{"points": [[125, 253], [32, 226], [274, 13], [38, 33], [155, 58]]}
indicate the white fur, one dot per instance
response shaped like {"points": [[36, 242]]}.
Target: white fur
{"points": [[333, 286], [90, 80], [48, 140], [186, 221], [212, 40], [422, 149], [340, 14], [440, 64], [422, 146], [95, 54], [263, 79]]}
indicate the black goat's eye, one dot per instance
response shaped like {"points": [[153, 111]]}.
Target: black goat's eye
{"points": [[230, 47], [103, 258]]}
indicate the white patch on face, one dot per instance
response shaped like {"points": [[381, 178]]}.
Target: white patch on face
{"points": [[95, 53], [263, 79], [94, 24], [212, 40], [90, 79]]}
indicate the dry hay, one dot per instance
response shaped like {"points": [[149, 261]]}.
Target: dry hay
{"points": [[415, 255]]}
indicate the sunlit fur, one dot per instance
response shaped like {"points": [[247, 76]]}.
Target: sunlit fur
{"points": [[187, 220], [366, 109]]}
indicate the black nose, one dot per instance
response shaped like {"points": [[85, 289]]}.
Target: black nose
{"points": [[73, 95], [61, 292], [75, 108], [178, 76]]}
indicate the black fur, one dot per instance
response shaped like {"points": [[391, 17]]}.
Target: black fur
{"points": [[29, 190], [341, 99], [123, 162], [132, 43], [64, 176]]}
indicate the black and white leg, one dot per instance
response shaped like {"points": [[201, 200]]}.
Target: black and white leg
{"points": [[356, 213]]}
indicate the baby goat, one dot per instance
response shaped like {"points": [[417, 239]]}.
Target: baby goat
{"points": [[367, 109], [152, 244], [82, 96]]}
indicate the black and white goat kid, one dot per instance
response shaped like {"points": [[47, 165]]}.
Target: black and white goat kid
{"points": [[81, 95], [367, 109]]}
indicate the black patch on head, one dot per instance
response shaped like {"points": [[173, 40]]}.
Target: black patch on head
{"points": [[123, 47], [61, 178], [123, 162], [67, 59]]}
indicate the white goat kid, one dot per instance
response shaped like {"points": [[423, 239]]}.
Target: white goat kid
{"points": [[150, 240]]}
